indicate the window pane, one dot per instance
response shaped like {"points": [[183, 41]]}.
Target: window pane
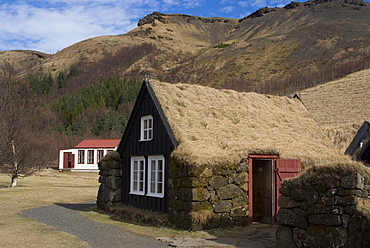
{"points": [[152, 187], [134, 186], [149, 123], [160, 165], [141, 165], [141, 186], [135, 165], [160, 174], [159, 188]]}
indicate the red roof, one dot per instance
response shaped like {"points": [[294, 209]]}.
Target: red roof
{"points": [[98, 143]]}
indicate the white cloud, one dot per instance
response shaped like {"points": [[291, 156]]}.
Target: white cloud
{"points": [[227, 9], [51, 25]]}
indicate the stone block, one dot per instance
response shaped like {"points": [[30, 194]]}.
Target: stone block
{"points": [[244, 187], [176, 204], [332, 201], [352, 181], [102, 179], [321, 187], [347, 200], [115, 172], [298, 236], [325, 219], [332, 182], [114, 182], [331, 192], [336, 210], [310, 196], [229, 191], [318, 209], [287, 202], [222, 207], [290, 218], [195, 182], [284, 237], [238, 212], [241, 178], [197, 206], [243, 167], [354, 192], [217, 182], [285, 191], [325, 236], [297, 194], [196, 194], [240, 201]]}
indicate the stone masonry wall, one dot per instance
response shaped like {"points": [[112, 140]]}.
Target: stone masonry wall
{"points": [[109, 194], [322, 210], [203, 198]]}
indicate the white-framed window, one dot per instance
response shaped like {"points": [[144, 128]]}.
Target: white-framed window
{"points": [[137, 180], [156, 176], [146, 128]]}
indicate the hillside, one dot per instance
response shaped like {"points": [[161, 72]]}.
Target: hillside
{"points": [[88, 89], [269, 45]]}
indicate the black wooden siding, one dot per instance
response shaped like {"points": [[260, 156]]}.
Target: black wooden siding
{"points": [[161, 144]]}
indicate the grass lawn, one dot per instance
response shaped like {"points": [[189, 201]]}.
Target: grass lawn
{"points": [[50, 187], [42, 189]]}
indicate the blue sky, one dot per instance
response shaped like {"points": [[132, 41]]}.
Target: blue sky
{"points": [[51, 25]]}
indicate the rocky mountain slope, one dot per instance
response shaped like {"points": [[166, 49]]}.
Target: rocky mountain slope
{"points": [[271, 44]]}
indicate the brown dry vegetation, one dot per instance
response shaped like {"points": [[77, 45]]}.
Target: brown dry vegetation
{"points": [[44, 188], [224, 126], [340, 107]]}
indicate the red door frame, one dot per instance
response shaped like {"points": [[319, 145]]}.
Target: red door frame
{"points": [[282, 168], [65, 160], [250, 178]]}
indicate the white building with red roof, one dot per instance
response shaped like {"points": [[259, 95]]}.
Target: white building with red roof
{"points": [[86, 155]]}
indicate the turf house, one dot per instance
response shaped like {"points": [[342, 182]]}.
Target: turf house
{"points": [[359, 148], [214, 158]]}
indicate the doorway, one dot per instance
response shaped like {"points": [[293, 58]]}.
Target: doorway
{"points": [[69, 160], [262, 192], [266, 172]]}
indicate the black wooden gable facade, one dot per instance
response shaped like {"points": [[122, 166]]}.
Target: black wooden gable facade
{"points": [[359, 148], [161, 144]]}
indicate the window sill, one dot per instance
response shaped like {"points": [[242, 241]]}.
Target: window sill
{"points": [[145, 140], [137, 193], [155, 195]]}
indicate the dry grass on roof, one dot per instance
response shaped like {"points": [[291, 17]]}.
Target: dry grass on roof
{"points": [[223, 126]]}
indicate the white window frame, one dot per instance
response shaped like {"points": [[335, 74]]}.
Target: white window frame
{"points": [[146, 132], [140, 176], [156, 177]]}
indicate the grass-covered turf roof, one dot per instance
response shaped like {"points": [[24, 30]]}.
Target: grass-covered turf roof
{"points": [[223, 126]]}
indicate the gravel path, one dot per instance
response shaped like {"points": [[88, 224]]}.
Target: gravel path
{"points": [[66, 217]]}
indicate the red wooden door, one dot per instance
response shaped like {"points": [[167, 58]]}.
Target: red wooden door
{"points": [[285, 168], [68, 160]]}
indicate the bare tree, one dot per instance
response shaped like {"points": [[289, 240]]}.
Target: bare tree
{"points": [[21, 150]]}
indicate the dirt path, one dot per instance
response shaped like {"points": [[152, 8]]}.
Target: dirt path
{"points": [[67, 217]]}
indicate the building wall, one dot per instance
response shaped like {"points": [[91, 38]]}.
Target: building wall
{"points": [[132, 146], [82, 166], [204, 197], [322, 209]]}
